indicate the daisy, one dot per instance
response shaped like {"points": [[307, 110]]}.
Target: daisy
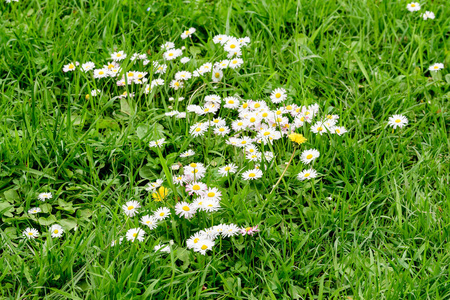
{"points": [[56, 231], [236, 63], [339, 130], [118, 56], [152, 186], [204, 245], [205, 68], [162, 248], [34, 210], [213, 98], [198, 129], [115, 242], [228, 169], [101, 73], [160, 69], [413, 6], [181, 115], [278, 95], [211, 205], [234, 53], [436, 67], [222, 131], [157, 143], [218, 122], [161, 213], [217, 75], [69, 67], [87, 66], [30, 233], [244, 141], [95, 92], [184, 209], [244, 41], [184, 60], [135, 233], [221, 38], [253, 156], [111, 65], [167, 46], [130, 208], [193, 240], [249, 230], [149, 221], [176, 85], [183, 75], [309, 156], [307, 174], [212, 194], [188, 33], [398, 121], [187, 153], [180, 179], [222, 64], [428, 15], [172, 54], [230, 230], [239, 125], [172, 113], [45, 196], [252, 174], [318, 128], [231, 45], [196, 187]]}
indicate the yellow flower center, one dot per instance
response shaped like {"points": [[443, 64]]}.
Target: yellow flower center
{"points": [[30, 233], [148, 222], [307, 175], [338, 131], [110, 66], [198, 129], [55, 231], [234, 61], [186, 32], [240, 123], [279, 120], [196, 240], [252, 120], [71, 66], [244, 142], [177, 83], [245, 105], [130, 207], [194, 171], [135, 234], [319, 129], [193, 165], [251, 175], [101, 73], [257, 105], [119, 55], [227, 169], [397, 121], [217, 75], [196, 187], [230, 102], [309, 156], [265, 115], [248, 229], [232, 46], [277, 95], [266, 133], [288, 107], [161, 214], [170, 54], [130, 74], [222, 129], [436, 67], [211, 194], [413, 5], [186, 208]]}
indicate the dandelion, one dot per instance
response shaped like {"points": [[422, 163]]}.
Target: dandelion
{"points": [[34, 210], [398, 121], [252, 174], [204, 245], [184, 209], [161, 194], [161, 213], [249, 230], [45, 196], [307, 174], [130, 208], [309, 155], [135, 233], [30, 233], [436, 67], [297, 138], [188, 33], [428, 15], [413, 6], [278, 95], [150, 221], [56, 231], [157, 143]]}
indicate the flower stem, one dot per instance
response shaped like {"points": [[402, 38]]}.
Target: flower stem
{"points": [[282, 174]]}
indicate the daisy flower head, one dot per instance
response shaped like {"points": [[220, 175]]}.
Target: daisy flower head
{"points": [[87, 66], [176, 84], [307, 174], [180, 179], [253, 156], [184, 209], [198, 129], [252, 174], [172, 54], [204, 245], [157, 143], [184, 60], [152, 186], [217, 75], [118, 56], [236, 63], [230, 230], [135, 234], [278, 95], [212, 194], [161, 213], [115, 242], [210, 205], [187, 153], [249, 230], [56, 230], [235, 53], [150, 221], [228, 169], [30, 233], [196, 187], [309, 156], [213, 98], [221, 38], [398, 121], [218, 122], [205, 68], [428, 15], [339, 130], [160, 69], [231, 102], [319, 128], [413, 6], [162, 248], [69, 67], [183, 75], [244, 41], [45, 196], [101, 73], [194, 239], [232, 45], [188, 33], [436, 67], [130, 208], [223, 64], [34, 210], [167, 46], [222, 130]]}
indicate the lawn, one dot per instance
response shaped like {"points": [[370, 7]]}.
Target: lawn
{"points": [[224, 149]]}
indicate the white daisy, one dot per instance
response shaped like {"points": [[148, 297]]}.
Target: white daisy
{"points": [[217, 75], [157, 143], [135, 233], [34, 210], [149, 221], [176, 84], [436, 67], [278, 95], [187, 153], [167, 46], [221, 38], [118, 56], [130, 208], [56, 231], [69, 67], [101, 73], [162, 248], [87, 66], [161, 213], [45, 196], [252, 174], [222, 130], [232, 45], [398, 121], [204, 245], [236, 63], [188, 33], [172, 54], [428, 15], [183, 75], [30, 233], [152, 186], [184, 209], [184, 60], [413, 6], [307, 174], [309, 155], [339, 130], [228, 169]]}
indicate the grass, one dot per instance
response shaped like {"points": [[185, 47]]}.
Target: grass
{"points": [[384, 232]]}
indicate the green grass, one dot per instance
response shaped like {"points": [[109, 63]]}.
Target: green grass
{"points": [[382, 235]]}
